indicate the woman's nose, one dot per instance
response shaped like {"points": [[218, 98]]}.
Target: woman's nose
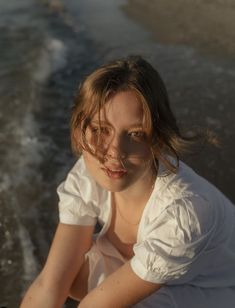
{"points": [[115, 148]]}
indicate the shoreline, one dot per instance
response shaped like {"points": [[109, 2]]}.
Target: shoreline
{"points": [[203, 24]]}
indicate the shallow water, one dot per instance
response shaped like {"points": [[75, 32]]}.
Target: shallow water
{"points": [[46, 48]]}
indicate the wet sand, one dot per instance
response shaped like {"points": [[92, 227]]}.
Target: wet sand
{"points": [[204, 24]]}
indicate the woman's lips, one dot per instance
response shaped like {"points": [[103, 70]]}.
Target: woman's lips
{"points": [[114, 174]]}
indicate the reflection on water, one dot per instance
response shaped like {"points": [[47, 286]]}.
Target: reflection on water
{"points": [[46, 48]]}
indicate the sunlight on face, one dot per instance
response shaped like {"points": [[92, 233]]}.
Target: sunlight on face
{"points": [[120, 141]]}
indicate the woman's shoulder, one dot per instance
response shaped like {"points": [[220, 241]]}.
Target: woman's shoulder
{"points": [[184, 197], [186, 183], [187, 199], [81, 200], [80, 182]]}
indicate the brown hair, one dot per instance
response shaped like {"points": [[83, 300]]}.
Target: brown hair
{"points": [[136, 74]]}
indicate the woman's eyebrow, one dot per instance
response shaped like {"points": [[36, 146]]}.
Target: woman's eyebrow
{"points": [[134, 125], [137, 125]]}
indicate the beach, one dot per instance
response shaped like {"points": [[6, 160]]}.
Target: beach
{"points": [[203, 24], [47, 48]]}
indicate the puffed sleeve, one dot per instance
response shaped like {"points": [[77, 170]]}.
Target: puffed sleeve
{"points": [[174, 242], [78, 197]]}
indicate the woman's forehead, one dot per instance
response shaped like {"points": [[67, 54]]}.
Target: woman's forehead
{"points": [[124, 107]]}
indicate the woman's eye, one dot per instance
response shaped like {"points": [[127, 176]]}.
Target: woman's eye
{"points": [[94, 129], [137, 135], [100, 130]]}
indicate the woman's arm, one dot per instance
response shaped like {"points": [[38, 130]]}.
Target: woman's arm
{"points": [[121, 289], [66, 256]]}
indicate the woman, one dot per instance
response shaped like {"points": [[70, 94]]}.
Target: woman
{"points": [[168, 236]]}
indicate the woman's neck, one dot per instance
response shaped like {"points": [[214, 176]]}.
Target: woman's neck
{"points": [[138, 194]]}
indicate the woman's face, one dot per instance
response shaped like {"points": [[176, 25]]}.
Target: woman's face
{"points": [[125, 158]]}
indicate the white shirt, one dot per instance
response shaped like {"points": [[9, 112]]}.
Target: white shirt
{"points": [[186, 234]]}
